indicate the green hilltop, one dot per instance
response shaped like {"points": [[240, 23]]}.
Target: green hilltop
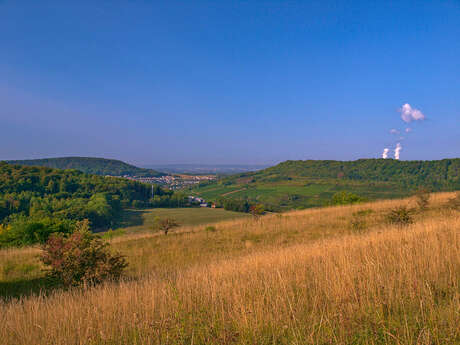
{"points": [[91, 165], [310, 183]]}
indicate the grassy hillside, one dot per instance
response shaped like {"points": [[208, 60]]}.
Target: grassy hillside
{"points": [[89, 165], [300, 184], [304, 277]]}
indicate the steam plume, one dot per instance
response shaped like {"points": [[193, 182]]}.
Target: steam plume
{"points": [[409, 114], [398, 151], [385, 153]]}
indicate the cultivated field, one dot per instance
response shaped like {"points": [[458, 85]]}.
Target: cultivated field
{"points": [[298, 192], [338, 275]]}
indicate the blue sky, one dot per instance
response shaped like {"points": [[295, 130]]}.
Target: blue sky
{"points": [[228, 81]]}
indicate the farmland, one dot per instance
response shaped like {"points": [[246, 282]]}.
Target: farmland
{"points": [[304, 184], [299, 193]]}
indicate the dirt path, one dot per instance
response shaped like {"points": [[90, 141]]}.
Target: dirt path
{"points": [[233, 191]]}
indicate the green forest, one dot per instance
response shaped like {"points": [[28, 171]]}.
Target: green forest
{"points": [[37, 201], [90, 165]]}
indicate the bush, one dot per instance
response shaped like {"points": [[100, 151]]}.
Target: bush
{"points": [[346, 198], [210, 228], [401, 215], [137, 204], [81, 258], [422, 197], [454, 203], [257, 210]]}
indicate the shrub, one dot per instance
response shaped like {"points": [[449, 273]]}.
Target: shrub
{"points": [[401, 215], [210, 228], [346, 198], [422, 197], [81, 258], [358, 224], [137, 204], [454, 203], [257, 210]]}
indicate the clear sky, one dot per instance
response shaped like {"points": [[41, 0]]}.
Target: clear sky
{"points": [[228, 81]]}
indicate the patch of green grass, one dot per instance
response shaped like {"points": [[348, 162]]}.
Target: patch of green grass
{"points": [[108, 235], [184, 216]]}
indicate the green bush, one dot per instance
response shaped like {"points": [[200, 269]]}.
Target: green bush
{"points": [[210, 228], [346, 198], [81, 258]]}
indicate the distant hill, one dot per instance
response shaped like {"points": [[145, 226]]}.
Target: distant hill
{"points": [[300, 184], [90, 165], [202, 169]]}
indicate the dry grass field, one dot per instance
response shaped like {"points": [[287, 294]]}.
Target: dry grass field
{"points": [[337, 275]]}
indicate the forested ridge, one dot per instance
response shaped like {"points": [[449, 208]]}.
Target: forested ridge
{"points": [[36, 201], [437, 174], [91, 165]]}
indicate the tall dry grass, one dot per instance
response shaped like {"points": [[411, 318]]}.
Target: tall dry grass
{"points": [[387, 285]]}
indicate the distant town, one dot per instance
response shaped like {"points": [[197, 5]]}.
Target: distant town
{"points": [[177, 181]]}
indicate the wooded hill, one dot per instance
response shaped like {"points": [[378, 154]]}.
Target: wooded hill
{"points": [[310, 183], [435, 174], [91, 165], [37, 201]]}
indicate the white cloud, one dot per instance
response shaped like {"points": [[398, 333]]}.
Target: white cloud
{"points": [[398, 151], [409, 114], [394, 131], [408, 130], [385, 153]]}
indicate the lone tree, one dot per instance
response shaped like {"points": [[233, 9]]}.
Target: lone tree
{"points": [[256, 210], [81, 258], [165, 224]]}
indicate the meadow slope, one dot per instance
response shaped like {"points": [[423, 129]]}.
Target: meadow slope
{"points": [[338, 275]]}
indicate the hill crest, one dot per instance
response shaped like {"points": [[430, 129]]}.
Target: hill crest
{"points": [[91, 165]]}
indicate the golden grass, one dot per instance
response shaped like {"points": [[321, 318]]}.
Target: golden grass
{"points": [[306, 277]]}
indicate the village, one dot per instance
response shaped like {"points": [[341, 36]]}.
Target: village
{"points": [[174, 182]]}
